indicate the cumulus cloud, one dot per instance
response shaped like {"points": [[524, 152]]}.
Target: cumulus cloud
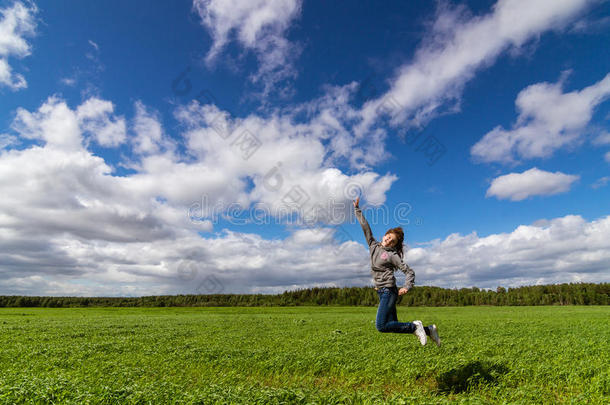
{"points": [[519, 186], [150, 138], [259, 26], [59, 126], [54, 123], [190, 264], [457, 46], [17, 22], [565, 249], [71, 226], [95, 117], [69, 220], [549, 119], [284, 159]]}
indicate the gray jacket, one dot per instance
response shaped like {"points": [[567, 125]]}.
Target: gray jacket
{"points": [[384, 260]]}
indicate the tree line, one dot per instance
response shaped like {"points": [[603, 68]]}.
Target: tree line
{"points": [[553, 294]]}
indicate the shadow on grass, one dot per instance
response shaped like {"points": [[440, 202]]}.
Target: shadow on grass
{"points": [[468, 376]]}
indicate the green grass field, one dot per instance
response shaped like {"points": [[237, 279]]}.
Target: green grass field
{"points": [[303, 355]]}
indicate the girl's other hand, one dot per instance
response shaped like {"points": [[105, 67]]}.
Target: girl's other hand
{"points": [[402, 291], [356, 202]]}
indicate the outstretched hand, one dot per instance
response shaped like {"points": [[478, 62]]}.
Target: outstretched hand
{"points": [[356, 202], [402, 291]]}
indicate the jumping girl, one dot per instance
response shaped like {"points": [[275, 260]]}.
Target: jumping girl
{"points": [[386, 257]]}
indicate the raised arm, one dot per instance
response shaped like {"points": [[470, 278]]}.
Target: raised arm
{"points": [[404, 267], [365, 225]]}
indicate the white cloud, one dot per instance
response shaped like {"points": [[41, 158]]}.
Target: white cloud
{"points": [[458, 46], [58, 126], [519, 186], [607, 157], [333, 119], [150, 138], [7, 140], [603, 138], [17, 22], [566, 249], [94, 55], [240, 262], [69, 222], [548, 120], [72, 227], [601, 182], [95, 117], [591, 25], [54, 123], [259, 26], [68, 81], [287, 155]]}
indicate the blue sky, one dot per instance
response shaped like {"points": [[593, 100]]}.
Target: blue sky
{"points": [[108, 113]]}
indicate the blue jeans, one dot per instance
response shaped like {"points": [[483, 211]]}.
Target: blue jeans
{"points": [[387, 320]]}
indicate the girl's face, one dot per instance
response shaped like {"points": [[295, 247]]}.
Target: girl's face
{"points": [[389, 240]]}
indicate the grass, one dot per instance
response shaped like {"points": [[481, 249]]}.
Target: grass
{"points": [[303, 355]]}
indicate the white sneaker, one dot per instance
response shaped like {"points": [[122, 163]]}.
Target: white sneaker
{"points": [[434, 334], [420, 332]]}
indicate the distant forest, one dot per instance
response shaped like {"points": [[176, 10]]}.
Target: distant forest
{"points": [[554, 294]]}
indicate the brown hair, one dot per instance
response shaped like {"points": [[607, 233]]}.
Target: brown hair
{"points": [[400, 237]]}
